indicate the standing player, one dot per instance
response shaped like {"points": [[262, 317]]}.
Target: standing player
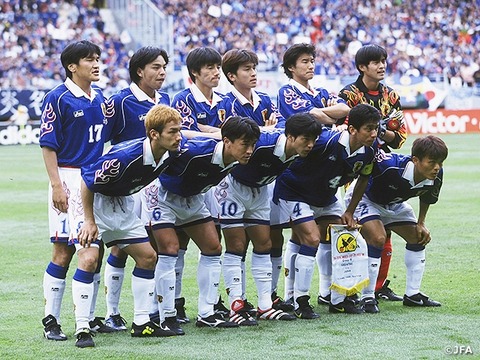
{"points": [[202, 164], [395, 179], [147, 70], [306, 195], [107, 188], [73, 132], [244, 204], [371, 63]]}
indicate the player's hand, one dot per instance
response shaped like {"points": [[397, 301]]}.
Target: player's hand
{"points": [[423, 234], [382, 128], [271, 121], [87, 234], [60, 198], [348, 219]]}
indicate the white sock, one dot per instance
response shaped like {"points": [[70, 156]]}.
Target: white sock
{"points": [[53, 290], [262, 275], [113, 277], [373, 269], [289, 258], [208, 278], [244, 278], [276, 271], [96, 286], [324, 263], [143, 291], [165, 285], [304, 266], [82, 300], [179, 266], [415, 263], [232, 275]]}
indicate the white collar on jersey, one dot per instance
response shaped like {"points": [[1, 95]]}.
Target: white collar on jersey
{"points": [[217, 157], [148, 158], [345, 141], [141, 96], [77, 91], [408, 174], [302, 88], [199, 97], [279, 150], [243, 100]]}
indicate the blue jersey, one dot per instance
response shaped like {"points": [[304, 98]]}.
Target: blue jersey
{"points": [[130, 108], [392, 181], [197, 168], [125, 169], [315, 179], [73, 125], [261, 109], [267, 161], [294, 98], [196, 109]]}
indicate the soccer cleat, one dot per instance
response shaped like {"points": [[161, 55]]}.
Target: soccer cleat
{"points": [[421, 300], [116, 323], [248, 307], [324, 300], [370, 305], [386, 293], [150, 329], [240, 314], [52, 329], [84, 338], [220, 309], [347, 306], [274, 314], [97, 325], [214, 321], [155, 317], [279, 304], [172, 324], [182, 317], [305, 310]]}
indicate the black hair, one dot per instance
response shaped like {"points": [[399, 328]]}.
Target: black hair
{"points": [[367, 53], [293, 53], [73, 52], [303, 124], [235, 58], [199, 57], [362, 114], [142, 57], [237, 127], [431, 147]]}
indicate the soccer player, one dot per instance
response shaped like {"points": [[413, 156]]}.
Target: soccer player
{"points": [[306, 195], [395, 179], [203, 163], [108, 204], [147, 69], [371, 63], [244, 203], [74, 129]]}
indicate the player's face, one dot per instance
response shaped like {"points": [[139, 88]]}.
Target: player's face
{"points": [[208, 76], [302, 144], [170, 137], [375, 70], [246, 76], [239, 150], [426, 168], [304, 68], [87, 69], [153, 75], [365, 136]]}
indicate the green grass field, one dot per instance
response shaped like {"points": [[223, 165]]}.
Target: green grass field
{"points": [[451, 277]]}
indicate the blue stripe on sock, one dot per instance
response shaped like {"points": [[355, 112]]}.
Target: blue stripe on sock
{"points": [[374, 252], [116, 261], [143, 273], [85, 277], [57, 271], [415, 247], [307, 250]]}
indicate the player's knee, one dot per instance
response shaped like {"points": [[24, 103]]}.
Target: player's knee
{"points": [[62, 255], [213, 248], [262, 245], [88, 261], [149, 260], [377, 240]]}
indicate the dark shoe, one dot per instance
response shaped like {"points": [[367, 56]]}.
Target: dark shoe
{"points": [[116, 323], [150, 329], [248, 306], [240, 314], [279, 304], [347, 306], [52, 330], [84, 338], [214, 321], [370, 305], [324, 300], [172, 324], [274, 314], [97, 325], [386, 293], [155, 317], [220, 309], [182, 317], [419, 300], [305, 310]]}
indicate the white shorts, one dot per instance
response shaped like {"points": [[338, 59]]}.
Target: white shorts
{"points": [[58, 222], [117, 223], [146, 203], [212, 204], [296, 212], [274, 208], [173, 210], [241, 205]]}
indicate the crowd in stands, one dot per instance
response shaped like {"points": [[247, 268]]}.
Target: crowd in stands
{"points": [[422, 37]]}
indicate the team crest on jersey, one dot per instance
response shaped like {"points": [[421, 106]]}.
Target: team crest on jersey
{"points": [[110, 169], [79, 113], [48, 117], [221, 115], [346, 243]]}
